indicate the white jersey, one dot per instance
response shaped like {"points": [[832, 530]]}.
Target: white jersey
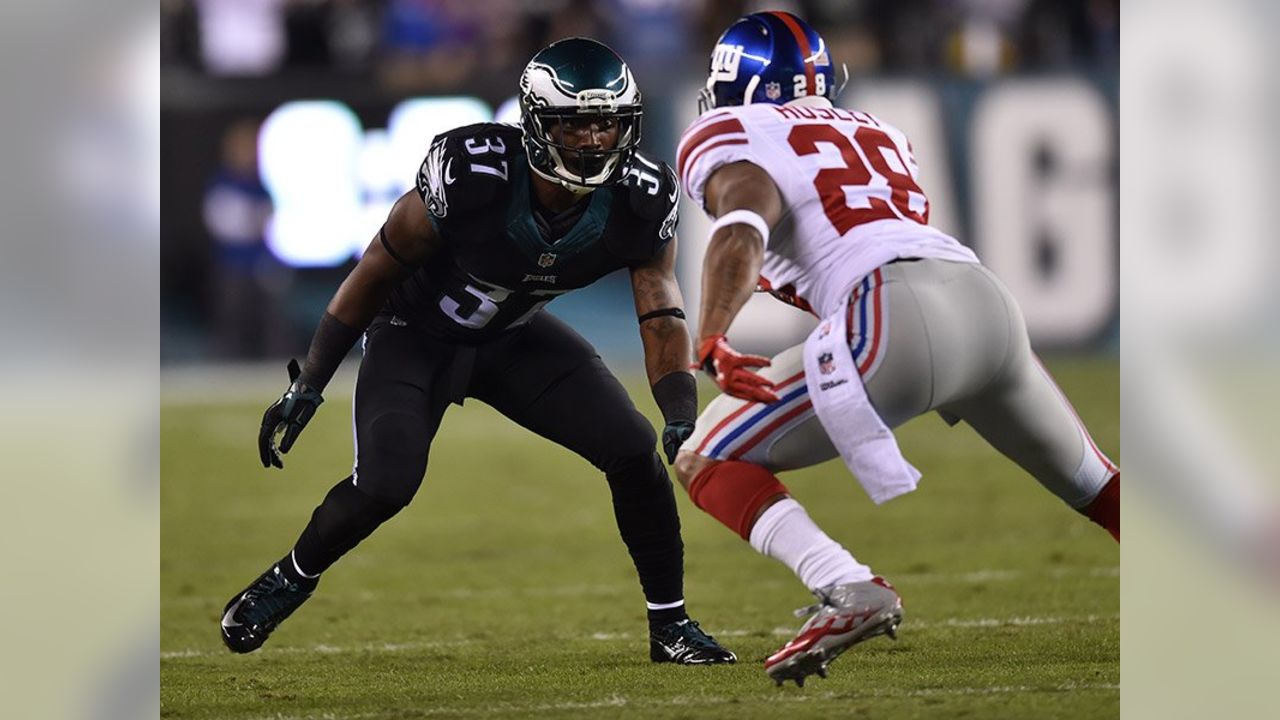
{"points": [[849, 186]]}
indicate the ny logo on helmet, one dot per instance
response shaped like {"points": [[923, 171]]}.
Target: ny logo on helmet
{"points": [[724, 63]]}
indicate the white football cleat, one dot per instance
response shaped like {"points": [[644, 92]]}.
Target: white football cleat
{"points": [[844, 616]]}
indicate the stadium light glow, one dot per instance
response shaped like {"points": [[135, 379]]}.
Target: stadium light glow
{"points": [[332, 181]]}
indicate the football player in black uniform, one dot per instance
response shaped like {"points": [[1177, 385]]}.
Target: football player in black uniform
{"points": [[449, 298]]}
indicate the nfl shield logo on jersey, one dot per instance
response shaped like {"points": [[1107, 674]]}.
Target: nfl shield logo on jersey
{"points": [[772, 90], [546, 259], [826, 363]]}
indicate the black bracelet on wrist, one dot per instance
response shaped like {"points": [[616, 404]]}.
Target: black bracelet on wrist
{"points": [[664, 312]]}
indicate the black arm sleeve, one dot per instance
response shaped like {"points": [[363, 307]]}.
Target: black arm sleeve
{"points": [[677, 396], [330, 344]]}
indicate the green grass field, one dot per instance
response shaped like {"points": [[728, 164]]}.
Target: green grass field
{"points": [[504, 590]]}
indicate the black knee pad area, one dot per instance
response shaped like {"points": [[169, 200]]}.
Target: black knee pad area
{"points": [[393, 457], [637, 471], [628, 445]]}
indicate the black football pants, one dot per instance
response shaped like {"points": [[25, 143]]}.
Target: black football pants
{"points": [[545, 377]]}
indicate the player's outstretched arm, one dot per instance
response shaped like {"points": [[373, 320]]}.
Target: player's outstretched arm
{"points": [[668, 349], [746, 203], [405, 241]]}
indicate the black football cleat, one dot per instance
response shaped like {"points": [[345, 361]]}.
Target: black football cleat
{"points": [[684, 643], [250, 616]]}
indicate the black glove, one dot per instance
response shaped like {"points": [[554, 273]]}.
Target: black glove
{"points": [[289, 414], [674, 435]]}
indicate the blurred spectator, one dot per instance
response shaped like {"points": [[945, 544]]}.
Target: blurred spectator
{"points": [[653, 35], [980, 38], [853, 30], [562, 19], [430, 44], [352, 30], [242, 37], [179, 29], [1057, 33], [306, 25], [513, 32], [443, 45], [248, 282], [1103, 22]]}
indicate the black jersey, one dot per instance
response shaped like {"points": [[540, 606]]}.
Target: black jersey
{"points": [[498, 267]]}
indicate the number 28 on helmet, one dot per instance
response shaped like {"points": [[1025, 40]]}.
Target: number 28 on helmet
{"points": [[769, 57]]}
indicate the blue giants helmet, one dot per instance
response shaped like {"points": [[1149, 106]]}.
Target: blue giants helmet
{"points": [[768, 57]]}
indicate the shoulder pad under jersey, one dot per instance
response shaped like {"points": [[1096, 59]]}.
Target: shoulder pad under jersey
{"points": [[466, 167], [651, 201]]}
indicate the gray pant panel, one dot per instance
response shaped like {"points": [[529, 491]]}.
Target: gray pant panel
{"points": [[953, 340]]}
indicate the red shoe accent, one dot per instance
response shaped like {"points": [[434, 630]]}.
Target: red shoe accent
{"points": [[1105, 508], [886, 585], [835, 625]]}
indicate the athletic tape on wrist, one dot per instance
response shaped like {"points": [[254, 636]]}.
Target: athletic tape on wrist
{"points": [[742, 217]]}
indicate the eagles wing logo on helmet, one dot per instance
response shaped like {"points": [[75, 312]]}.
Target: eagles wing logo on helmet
{"points": [[579, 86]]}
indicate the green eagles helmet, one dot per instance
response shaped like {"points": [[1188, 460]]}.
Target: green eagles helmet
{"points": [[568, 82]]}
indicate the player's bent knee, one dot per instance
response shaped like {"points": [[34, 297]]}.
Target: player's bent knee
{"points": [[688, 465], [640, 465], [735, 493], [639, 439], [634, 444], [393, 457]]}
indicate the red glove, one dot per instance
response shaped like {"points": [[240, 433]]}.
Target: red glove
{"points": [[730, 370]]}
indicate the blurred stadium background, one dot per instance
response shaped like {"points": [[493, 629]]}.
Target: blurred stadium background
{"points": [[80, 293], [288, 127]]}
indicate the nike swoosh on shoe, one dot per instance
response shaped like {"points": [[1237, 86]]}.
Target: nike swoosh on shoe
{"points": [[228, 618]]}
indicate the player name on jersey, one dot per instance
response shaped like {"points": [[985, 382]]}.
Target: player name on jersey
{"points": [[802, 112]]}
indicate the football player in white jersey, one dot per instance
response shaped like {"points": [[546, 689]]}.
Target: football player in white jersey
{"points": [[821, 207]]}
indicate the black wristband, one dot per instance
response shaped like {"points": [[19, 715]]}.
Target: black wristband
{"points": [[330, 344], [664, 312], [677, 396]]}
